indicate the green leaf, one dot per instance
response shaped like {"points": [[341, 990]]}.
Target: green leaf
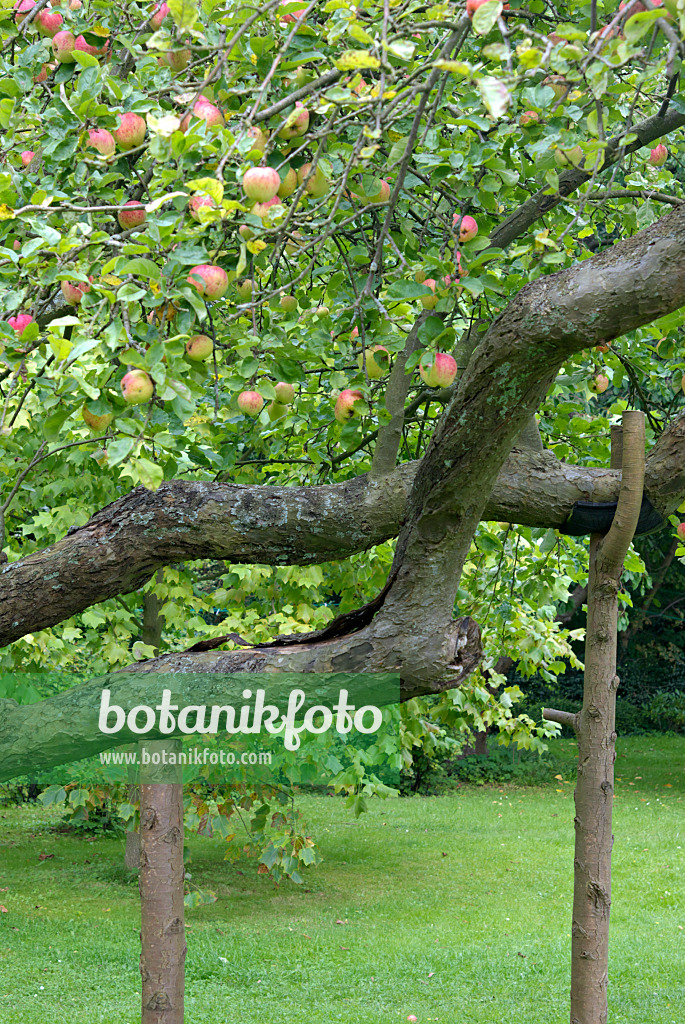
{"points": [[54, 423], [407, 290], [86, 60], [184, 12], [352, 60], [119, 450], [142, 268], [494, 93], [485, 17], [640, 24], [149, 473], [209, 186]]}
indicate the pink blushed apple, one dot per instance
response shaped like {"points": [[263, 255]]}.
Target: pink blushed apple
{"points": [[529, 117], [296, 123], [27, 156], [261, 183], [204, 111], [198, 203], [261, 209], [177, 60], [22, 9], [317, 184], [250, 403], [82, 44], [680, 530], [658, 156], [131, 218], [102, 140], [199, 347], [468, 228], [131, 131], [73, 291], [440, 373], [63, 45], [49, 22], [429, 301], [210, 280], [136, 387], [345, 404], [599, 383], [257, 138], [20, 322], [285, 393], [158, 15], [96, 423]]}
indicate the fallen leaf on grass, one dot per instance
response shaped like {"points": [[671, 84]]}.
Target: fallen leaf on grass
{"points": [[45, 856], [3, 910]]}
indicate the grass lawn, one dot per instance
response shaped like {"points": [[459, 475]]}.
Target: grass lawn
{"points": [[454, 908]]}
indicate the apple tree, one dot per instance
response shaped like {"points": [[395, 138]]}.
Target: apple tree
{"points": [[326, 310]]}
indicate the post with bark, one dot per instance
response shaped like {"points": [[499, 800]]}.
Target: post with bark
{"points": [[162, 931], [595, 730]]}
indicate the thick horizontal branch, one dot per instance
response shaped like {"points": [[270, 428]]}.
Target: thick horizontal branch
{"points": [[121, 547], [65, 727]]}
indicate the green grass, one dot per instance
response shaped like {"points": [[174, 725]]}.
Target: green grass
{"points": [[454, 908]]}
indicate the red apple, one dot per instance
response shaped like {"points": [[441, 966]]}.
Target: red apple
{"points": [[48, 22], [261, 183], [131, 218], [197, 203], [210, 280], [63, 46], [658, 156], [95, 422], [20, 322], [102, 140], [27, 156], [440, 373], [131, 131], [73, 291], [136, 387], [250, 403], [680, 530], [199, 347]]}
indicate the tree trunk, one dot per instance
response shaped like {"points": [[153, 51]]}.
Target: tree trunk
{"points": [[596, 734], [153, 625], [162, 933]]}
